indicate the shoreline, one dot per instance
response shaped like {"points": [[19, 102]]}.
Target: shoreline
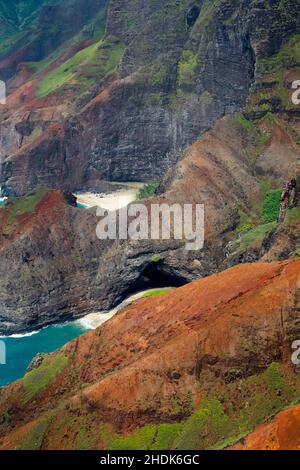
{"points": [[95, 319], [89, 321], [110, 201]]}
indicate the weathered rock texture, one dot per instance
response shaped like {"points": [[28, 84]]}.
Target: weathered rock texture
{"points": [[157, 361], [53, 255], [175, 78], [65, 271]]}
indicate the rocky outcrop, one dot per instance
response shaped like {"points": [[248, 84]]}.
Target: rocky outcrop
{"points": [[36, 362], [159, 360], [170, 88], [50, 249], [215, 171], [121, 133]]}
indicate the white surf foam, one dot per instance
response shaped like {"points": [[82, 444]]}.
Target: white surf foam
{"points": [[23, 335]]}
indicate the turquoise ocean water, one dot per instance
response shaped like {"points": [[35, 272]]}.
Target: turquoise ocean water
{"points": [[21, 349]]}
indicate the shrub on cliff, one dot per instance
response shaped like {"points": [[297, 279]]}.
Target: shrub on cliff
{"points": [[271, 206]]}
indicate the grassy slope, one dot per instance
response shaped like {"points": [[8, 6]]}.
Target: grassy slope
{"points": [[257, 221], [38, 379], [83, 69], [228, 411], [224, 416], [22, 31], [156, 292], [19, 207]]}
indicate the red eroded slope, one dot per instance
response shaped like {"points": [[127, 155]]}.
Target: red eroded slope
{"points": [[281, 433], [130, 371]]}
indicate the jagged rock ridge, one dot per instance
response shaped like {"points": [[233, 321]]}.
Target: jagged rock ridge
{"points": [[167, 89]]}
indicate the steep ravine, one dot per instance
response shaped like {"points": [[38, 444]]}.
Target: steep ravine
{"points": [[167, 88], [123, 127]]}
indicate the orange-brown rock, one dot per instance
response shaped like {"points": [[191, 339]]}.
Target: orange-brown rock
{"points": [[281, 433], [154, 353]]}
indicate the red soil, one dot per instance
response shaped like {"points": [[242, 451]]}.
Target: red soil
{"points": [[153, 352], [281, 433]]}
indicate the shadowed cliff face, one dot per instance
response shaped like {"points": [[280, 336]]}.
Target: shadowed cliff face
{"points": [[49, 25], [124, 94], [171, 82], [221, 342], [79, 273], [51, 248], [119, 132]]}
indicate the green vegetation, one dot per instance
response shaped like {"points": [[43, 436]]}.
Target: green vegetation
{"points": [[148, 190], [85, 68], [274, 376], [274, 70], [21, 206], [187, 69], [37, 379], [292, 215], [155, 258], [265, 187], [140, 440], [155, 74], [271, 206], [166, 435], [289, 55], [246, 123], [295, 253], [65, 72], [223, 416], [150, 437], [254, 235], [258, 220], [230, 409], [246, 221], [37, 67], [210, 416], [34, 439], [82, 440], [242, 228], [257, 138], [207, 13], [156, 292]]}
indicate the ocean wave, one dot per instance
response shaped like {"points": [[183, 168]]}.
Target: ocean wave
{"points": [[21, 335]]}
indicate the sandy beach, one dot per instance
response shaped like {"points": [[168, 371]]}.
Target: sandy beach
{"points": [[111, 201], [96, 319]]}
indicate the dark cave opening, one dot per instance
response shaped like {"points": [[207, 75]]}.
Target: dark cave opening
{"points": [[192, 15], [156, 275]]}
